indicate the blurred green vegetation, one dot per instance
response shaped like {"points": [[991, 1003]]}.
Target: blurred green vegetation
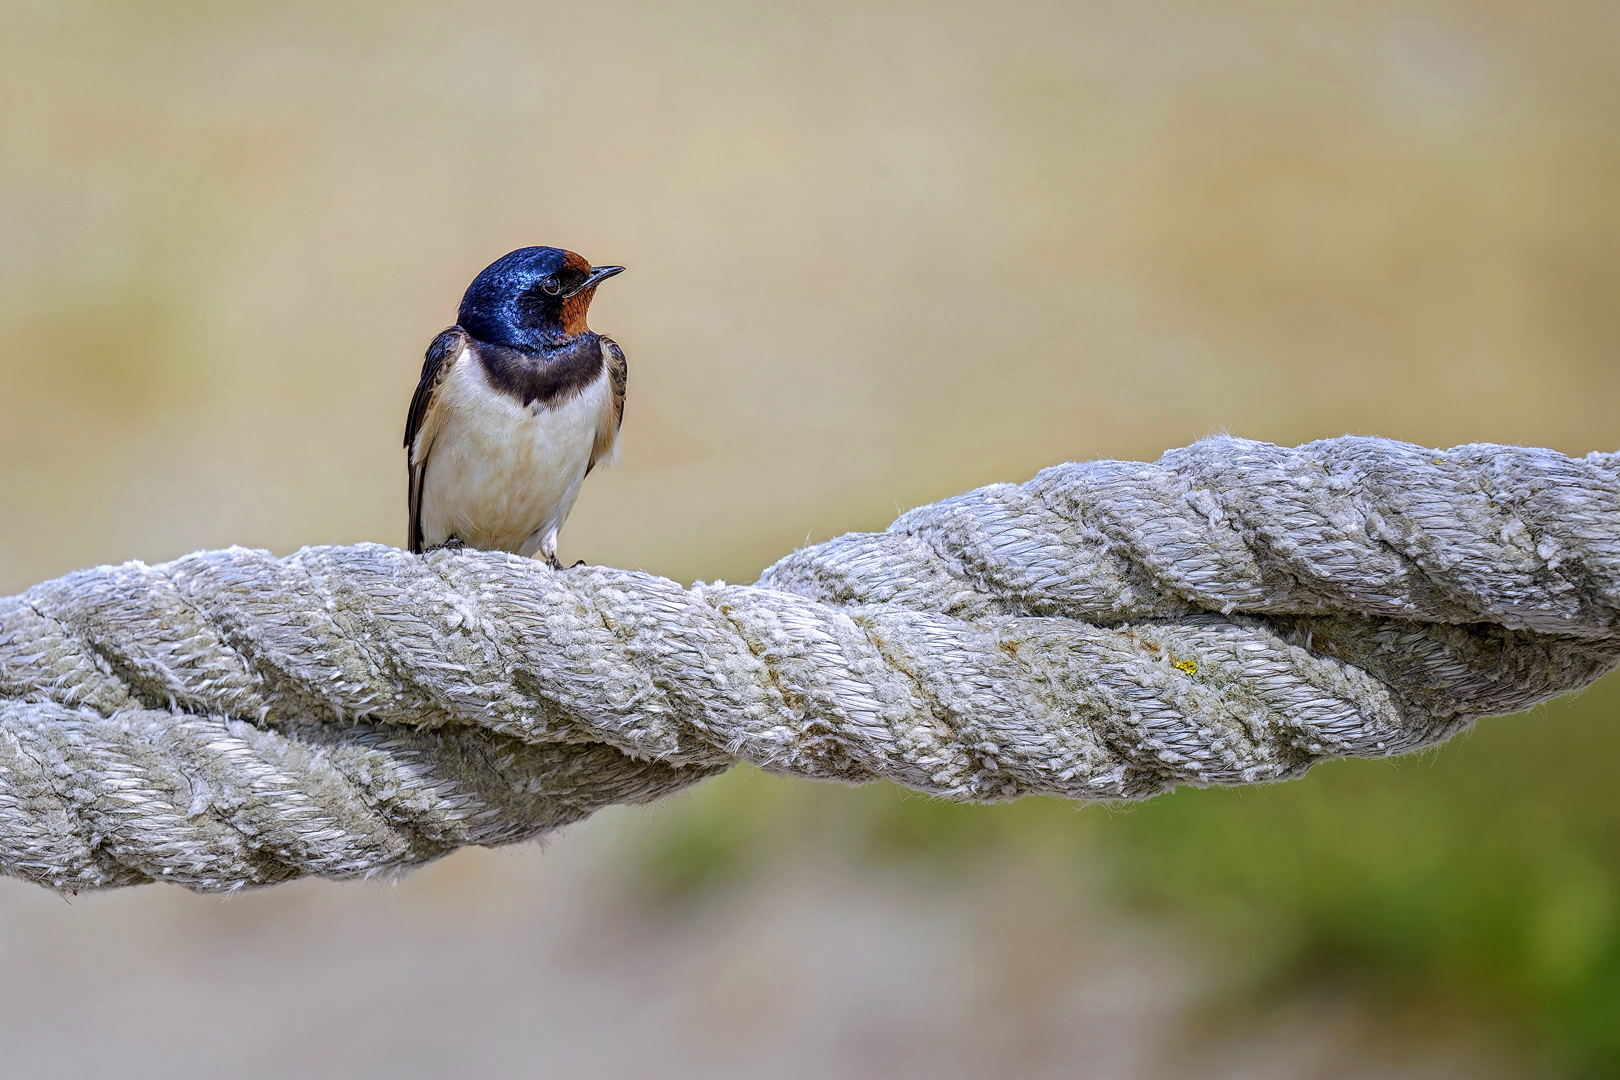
{"points": [[1477, 882]]}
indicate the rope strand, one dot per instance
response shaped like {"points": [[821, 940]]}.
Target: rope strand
{"points": [[1231, 614]]}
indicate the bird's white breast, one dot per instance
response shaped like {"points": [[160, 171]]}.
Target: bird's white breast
{"points": [[500, 474]]}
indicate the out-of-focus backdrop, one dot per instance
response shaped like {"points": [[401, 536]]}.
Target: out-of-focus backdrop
{"points": [[879, 253]]}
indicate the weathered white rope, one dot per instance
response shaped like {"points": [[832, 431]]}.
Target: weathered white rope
{"points": [[1230, 614], [1521, 537]]}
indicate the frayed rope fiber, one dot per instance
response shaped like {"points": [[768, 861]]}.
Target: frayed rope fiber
{"points": [[1230, 614]]}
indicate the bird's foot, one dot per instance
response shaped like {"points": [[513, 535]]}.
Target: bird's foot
{"points": [[455, 543], [577, 564]]}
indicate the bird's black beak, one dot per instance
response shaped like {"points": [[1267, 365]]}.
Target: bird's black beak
{"points": [[597, 275]]}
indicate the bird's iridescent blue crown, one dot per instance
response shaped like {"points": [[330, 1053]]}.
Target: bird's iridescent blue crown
{"points": [[533, 297]]}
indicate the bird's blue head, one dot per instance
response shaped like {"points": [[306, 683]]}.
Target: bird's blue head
{"points": [[532, 297]]}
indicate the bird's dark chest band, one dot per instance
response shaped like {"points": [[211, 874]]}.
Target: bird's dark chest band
{"points": [[545, 376]]}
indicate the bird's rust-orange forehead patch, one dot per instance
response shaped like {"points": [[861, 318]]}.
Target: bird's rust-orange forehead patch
{"points": [[575, 307]]}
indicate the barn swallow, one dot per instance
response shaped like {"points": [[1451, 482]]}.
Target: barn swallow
{"points": [[518, 402]]}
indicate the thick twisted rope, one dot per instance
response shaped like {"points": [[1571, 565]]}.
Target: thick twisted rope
{"points": [[1230, 614]]}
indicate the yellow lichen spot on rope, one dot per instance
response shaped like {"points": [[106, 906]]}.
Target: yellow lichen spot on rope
{"points": [[1189, 666]]}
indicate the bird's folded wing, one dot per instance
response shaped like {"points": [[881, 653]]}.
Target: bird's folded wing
{"points": [[422, 422], [606, 447]]}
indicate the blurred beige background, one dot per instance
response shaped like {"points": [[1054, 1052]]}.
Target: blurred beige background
{"points": [[879, 253]]}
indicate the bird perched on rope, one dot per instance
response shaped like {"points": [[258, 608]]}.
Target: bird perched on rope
{"points": [[518, 402]]}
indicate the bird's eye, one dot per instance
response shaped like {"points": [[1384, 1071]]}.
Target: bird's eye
{"points": [[551, 286]]}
